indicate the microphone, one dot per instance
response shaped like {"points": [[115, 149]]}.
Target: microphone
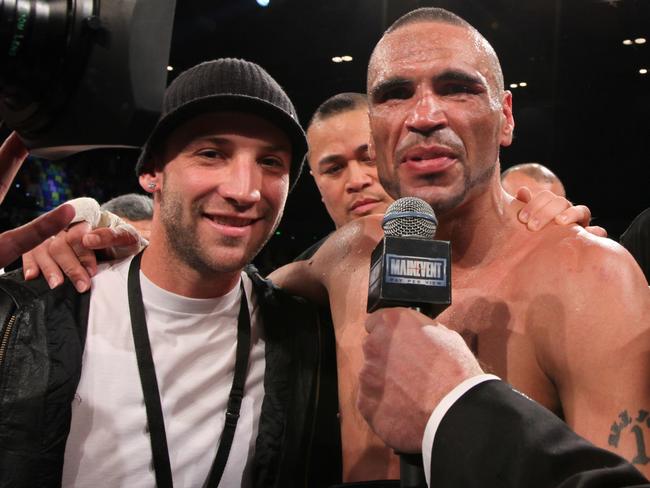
{"points": [[408, 268]]}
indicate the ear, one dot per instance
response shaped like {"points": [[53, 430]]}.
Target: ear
{"points": [[371, 150], [508, 121], [151, 182]]}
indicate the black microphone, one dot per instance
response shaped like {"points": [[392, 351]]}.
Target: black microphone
{"points": [[408, 268]]}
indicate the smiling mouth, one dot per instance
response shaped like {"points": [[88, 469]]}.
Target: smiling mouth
{"points": [[230, 221]]}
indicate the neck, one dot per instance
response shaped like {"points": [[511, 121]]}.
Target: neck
{"points": [[479, 226], [165, 269]]}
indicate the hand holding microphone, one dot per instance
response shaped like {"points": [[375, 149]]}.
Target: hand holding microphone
{"points": [[400, 382], [411, 363]]}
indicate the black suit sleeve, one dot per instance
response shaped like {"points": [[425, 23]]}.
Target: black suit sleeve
{"points": [[495, 437]]}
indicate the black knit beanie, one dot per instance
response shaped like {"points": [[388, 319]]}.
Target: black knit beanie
{"points": [[227, 85]]}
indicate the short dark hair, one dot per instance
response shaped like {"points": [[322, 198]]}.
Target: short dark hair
{"points": [[338, 104], [429, 14], [132, 206], [437, 14]]}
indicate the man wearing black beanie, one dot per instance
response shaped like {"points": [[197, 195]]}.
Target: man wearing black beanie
{"points": [[182, 366]]}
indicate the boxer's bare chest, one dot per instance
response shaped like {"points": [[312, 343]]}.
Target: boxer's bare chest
{"points": [[488, 309]]}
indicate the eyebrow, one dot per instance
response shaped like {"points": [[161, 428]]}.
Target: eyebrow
{"points": [[447, 75], [227, 142], [387, 85], [333, 158], [457, 75]]}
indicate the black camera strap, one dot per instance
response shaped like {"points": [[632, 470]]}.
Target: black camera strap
{"points": [[147, 371]]}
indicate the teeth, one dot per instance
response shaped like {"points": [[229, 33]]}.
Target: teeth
{"points": [[232, 221]]}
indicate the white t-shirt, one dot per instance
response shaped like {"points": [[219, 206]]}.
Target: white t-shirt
{"points": [[193, 344]]}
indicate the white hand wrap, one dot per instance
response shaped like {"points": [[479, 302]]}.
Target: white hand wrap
{"points": [[87, 209]]}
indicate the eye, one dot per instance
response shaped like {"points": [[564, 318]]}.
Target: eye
{"points": [[365, 158], [210, 154], [459, 89], [396, 93], [274, 162], [333, 169]]}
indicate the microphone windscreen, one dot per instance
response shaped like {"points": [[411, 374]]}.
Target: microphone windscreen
{"points": [[410, 217]]}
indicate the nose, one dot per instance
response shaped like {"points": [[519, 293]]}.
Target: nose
{"points": [[241, 186], [427, 116], [359, 177]]}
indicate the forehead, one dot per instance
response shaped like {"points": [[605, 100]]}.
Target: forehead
{"points": [[423, 48], [239, 125], [338, 131], [333, 127]]}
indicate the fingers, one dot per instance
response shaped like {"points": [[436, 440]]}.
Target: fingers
{"points": [[577, 214], [12, 154], [39, 261], [596, 230], [15, 242], [524, 194], [387, 318], [373, 320], [542, 209], [106, 238], [72, 258], [63, 255], [30, 268]]}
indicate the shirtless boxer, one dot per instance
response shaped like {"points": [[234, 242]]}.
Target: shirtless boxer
{"points": [[560, 314]]}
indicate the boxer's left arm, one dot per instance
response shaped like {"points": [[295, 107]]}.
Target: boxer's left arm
{"points": [[591, 329]]}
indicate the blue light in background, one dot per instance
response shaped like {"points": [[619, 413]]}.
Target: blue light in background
{"points": [[263, 3]]}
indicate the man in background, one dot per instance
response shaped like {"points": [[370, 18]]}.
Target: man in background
{"points": [[534, 176]]}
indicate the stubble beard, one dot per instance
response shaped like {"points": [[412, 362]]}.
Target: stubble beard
{"points": [[393, 187], [185, 243]]}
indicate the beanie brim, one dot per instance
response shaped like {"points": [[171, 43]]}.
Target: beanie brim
{"points": [[223, 103]]}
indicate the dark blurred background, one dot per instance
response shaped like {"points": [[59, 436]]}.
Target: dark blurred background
{"points": [[577, 70]]}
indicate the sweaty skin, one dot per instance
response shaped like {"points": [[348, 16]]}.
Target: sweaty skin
{"points": [[560, 314], [574, 337]]}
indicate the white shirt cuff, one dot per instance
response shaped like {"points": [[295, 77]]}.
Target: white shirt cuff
{"points": [[440, 411]]}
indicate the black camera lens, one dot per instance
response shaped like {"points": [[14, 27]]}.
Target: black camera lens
{"points": [[43, 46]]}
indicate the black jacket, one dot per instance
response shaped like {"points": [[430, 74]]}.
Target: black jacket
{"points": [[495, 437], [42, 339]]}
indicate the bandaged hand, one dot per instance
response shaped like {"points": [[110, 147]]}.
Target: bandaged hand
{"points": [[72, 251]]}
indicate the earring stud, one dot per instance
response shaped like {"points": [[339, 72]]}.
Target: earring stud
{"points": [[151, 186]]}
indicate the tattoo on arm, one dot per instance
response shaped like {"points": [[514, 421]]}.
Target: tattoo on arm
{"points": [[627, 425]]}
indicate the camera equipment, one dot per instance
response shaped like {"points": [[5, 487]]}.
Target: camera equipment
{"points": [[83, 74]]}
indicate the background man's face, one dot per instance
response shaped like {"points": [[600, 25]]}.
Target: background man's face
{"points": [[345, 175], [437, 114], [223, 189]]}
